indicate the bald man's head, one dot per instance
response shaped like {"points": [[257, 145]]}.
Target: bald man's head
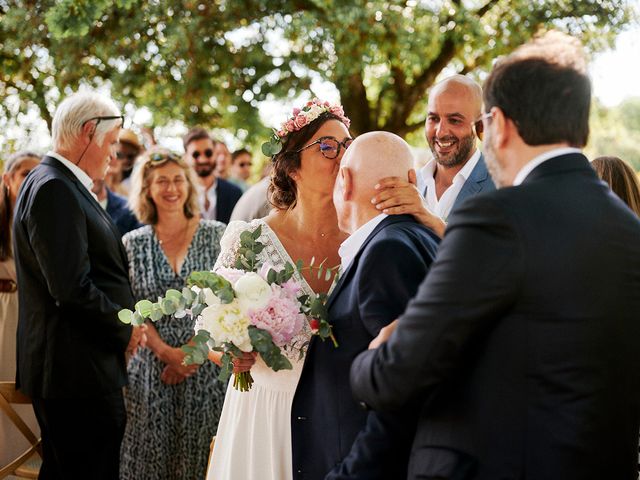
{"points": [[370, 158], [461, 86]]}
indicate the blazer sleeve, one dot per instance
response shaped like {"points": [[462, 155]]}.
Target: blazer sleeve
{"points": [[58, 237], [389, 275], [472, 283]]}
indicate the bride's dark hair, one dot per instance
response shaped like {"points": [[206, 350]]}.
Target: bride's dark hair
{"points": [[282, 190]]}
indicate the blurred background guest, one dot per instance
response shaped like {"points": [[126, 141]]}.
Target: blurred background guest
{"points": [[222, 158], [116, 206], [119, 174], [172, 410], [16, 168], [216, 196], [621, 178], [241, 168]]}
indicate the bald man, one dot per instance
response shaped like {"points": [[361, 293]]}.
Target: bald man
{"points": [[457, 170], [383, 262]]}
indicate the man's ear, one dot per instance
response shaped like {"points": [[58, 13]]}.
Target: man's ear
{"points": [[89, 129], [346, 177], [502, 128]]}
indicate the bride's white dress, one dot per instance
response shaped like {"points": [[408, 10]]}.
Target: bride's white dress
{"points": [[254, 433]]}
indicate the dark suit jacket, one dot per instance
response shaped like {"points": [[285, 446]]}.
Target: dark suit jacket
{"points": [[120, 213], [522, 342], [479, 181], [325, 419], [227, 197], [72, 280]]}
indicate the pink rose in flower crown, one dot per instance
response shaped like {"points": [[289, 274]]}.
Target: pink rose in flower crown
{"points": [[300, 121]]}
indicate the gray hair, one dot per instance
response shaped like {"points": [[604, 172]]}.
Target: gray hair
{"points": [[73, 113], [16, 159]]}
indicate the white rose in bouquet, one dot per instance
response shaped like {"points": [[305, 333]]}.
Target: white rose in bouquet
{"points": [[226, 322], [252, 291]]}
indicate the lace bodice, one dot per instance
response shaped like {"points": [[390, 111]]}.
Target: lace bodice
{"points": [[274, 254]]}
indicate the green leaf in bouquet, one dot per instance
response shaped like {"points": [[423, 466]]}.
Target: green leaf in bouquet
{"points": [[182, 303], [226, 295], [156, 312], [125, 316], [299, 265], [137, 319], [168, 306], [172, 293], [327, 275], [250, 256], [143, 307], [202, 336], [226, 367], [269, 351], [325, 330], [197, 309], [189, 295], [180, 313], [271, 276], [246, 238], [257, 248], [257, 232]]}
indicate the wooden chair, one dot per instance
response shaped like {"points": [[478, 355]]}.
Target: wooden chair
{"points": [[21, 466]]}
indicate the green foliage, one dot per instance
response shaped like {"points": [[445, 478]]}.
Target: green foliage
{"points": [[249, 250], [270, 353], [615, 131], [211, 63]]}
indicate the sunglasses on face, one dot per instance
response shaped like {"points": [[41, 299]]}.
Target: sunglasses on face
{"points": [[329, 146], [207, 153], [128, 156]]}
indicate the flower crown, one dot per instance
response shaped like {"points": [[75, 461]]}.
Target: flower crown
{"points": [[300, 119]]}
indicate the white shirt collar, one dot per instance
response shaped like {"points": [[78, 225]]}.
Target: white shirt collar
{"points": [[351, 246], [80, 174], [442, 206], [536, 161]]}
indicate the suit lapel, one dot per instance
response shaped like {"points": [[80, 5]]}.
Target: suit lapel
{"points": [[348, 273], [55, 163], [473, 185]]}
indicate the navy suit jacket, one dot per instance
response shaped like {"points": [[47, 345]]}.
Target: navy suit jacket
{"points": [[73, 278], [329, 429], [479, 181], [522, 342], [227, 197], [120, 213]]}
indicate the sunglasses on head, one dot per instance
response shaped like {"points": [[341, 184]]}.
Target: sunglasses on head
{"points": [[329, 146], [157, 158], [207, 153]]}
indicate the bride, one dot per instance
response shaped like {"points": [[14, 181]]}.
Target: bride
{"points": [[254, 432]]}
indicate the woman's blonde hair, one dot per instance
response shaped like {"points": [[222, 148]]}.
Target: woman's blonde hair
{"points": [[140, 200], [621, 178]]}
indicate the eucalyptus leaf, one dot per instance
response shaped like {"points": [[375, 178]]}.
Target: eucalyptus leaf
{"points": [[125, 316], [144, 308]]}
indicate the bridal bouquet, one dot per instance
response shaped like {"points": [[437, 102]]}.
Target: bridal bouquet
{"points": [[249, 308]]}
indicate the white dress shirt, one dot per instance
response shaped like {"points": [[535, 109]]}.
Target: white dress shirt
{"points": [[442, 207], [212, 195], [80, 174], [350, 247], [534, 162]]}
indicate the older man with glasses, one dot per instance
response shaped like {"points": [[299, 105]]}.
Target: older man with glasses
{"points": [[72, 281], [217, 196]]}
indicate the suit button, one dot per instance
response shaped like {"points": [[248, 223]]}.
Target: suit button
{"points": [[302, 418], [364, 406]]}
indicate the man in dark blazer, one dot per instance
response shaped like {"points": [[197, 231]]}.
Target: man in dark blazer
{"points": [[116, 206], [457, 170], [218, 196], [521, 343], [72, 281], [383, 262]]}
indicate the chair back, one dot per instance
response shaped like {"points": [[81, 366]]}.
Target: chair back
{"points": [[10, 396]]}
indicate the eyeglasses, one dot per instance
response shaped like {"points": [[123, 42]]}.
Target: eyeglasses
{"points": [[105, 118], [478, 125], [329, 146], [207, 153]]}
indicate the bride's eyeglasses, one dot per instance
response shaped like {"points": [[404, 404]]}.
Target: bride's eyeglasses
{"points": [[329, 146]]}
